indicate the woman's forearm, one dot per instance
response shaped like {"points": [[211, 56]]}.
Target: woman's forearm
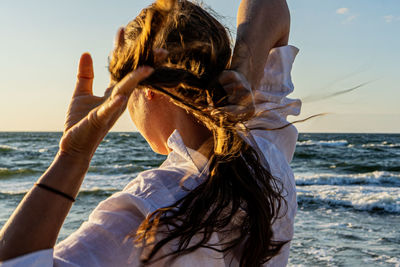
{"points": [[261, 26], [36, 222]]}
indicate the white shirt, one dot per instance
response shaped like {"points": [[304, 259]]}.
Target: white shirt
{"points": [[102, 240]]}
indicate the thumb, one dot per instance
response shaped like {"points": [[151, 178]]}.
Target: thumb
{"points": [[85, 76]]}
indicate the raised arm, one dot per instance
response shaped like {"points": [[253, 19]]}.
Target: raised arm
{"points": [[261, 26], [37, 220]]}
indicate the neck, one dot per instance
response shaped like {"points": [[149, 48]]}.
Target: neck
{"points": [[166, 117], [194, 134]]}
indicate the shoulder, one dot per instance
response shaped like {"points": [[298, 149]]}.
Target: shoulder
{"points": [[102, 240], [163, 186], [156, 188]]}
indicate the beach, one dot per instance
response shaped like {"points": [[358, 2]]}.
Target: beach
{"points": [[348, 189]]}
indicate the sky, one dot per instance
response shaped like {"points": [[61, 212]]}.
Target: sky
{"points": [[343, 44]]}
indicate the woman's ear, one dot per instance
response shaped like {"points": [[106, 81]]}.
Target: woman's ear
{"points": [[149, 94]]}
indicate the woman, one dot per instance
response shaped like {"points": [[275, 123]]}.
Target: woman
{"points": [[225, 195]]}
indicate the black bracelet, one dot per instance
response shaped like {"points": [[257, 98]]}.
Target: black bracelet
{"points": [[48, 188]]}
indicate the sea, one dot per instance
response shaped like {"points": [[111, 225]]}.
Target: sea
{"points": [[348, 188]]}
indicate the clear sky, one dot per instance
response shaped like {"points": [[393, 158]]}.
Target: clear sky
{"points": [[343, 43]]}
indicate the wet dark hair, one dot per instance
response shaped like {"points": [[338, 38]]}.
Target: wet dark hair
{"points": [[240, 199]]}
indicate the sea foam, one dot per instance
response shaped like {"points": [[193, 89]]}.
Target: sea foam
{"points": [[331, 143], [381, 178], [360, 198]]}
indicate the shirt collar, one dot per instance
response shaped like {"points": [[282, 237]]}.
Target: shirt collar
{"points": [[177, 145]]}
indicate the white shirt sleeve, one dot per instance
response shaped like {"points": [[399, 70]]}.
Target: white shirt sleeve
{"points": [[272, 105], [276, 138], [104, 240], [101, 241], [41, 258]]}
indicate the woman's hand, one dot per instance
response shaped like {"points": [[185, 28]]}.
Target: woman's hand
{"points": [[36, 222], [89, 117]]}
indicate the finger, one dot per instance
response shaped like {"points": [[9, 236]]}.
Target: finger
{"points": [[110, 86], [109, 111], [112, 83], [108, 91], [85, 76], [130, 81]]}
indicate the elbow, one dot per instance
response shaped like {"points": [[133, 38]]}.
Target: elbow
{"points": [[284, 15], [282, 21]]}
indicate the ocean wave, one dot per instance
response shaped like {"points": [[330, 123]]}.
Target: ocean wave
{"points": [[380, 145], [52, 148], [358, 199], [96, 191], [361, 165], [330, 143], [5, 148], [119, 166], [12, 194], [82, 193], [118, 169], [8, 173], [381, 178], [377, 206], [134, 166], [28, 150]]}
